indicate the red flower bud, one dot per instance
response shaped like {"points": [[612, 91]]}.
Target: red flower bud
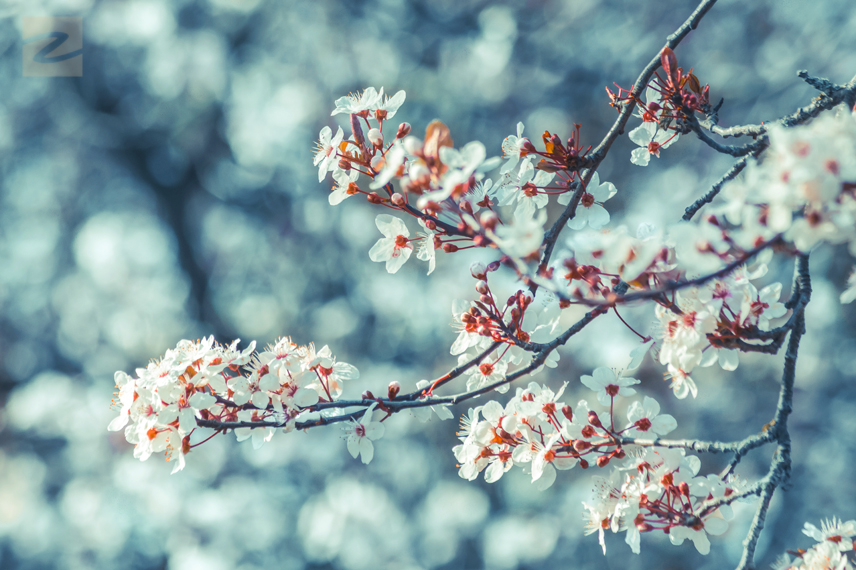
{"points": [[394, 389], [568, 412]]}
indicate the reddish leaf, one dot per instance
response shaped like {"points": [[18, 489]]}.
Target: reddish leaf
{"points": [[670, 64]]}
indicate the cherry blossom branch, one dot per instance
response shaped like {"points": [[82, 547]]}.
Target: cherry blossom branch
{"points": [[780, 467], [831, 95], [599, 153], [593, 159], [410, 400], [678, 285], [737, 447], [734, 150]]}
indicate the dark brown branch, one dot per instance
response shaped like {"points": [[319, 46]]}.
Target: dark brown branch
{"points": [[827, 100], [713, 192]]}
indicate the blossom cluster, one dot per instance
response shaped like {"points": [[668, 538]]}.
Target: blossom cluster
{"points": [[835, 548], [804, 187], [649, 488], [446, 189], [204, 380]]}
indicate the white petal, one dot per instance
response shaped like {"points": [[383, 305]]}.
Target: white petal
{"points": [[366, 450], [547, 479], [640, 156], [305, 397], [394, 263], [119, 422], [382, 250], [580, 219], [353, 445], [598, 216], [715, 526], [374, 430], [643, 134], [728, 359]]}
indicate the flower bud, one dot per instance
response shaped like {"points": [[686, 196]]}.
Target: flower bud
{"points": [[374, 198], [587, 431], [344, 164], [568, 412], [488, 220], [412, 145], [431, 225], [484, 299], [583, 464], [477, 270], [684, 488], [492, 266], [581, 445], [619, 454], [403, 130], [593, 419], [602, 461], [450, 247], [481, 287], [376, 138], [398, 199], [393, 390], [528, 146], [358, 131], [367, 395]]}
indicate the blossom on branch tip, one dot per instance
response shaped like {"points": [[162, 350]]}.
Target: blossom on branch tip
{"points": [[512, 149], [645, 418], [523, 237], [326, 157], [353, 104], [651, 138], [386, 108], [606, 383], [343, 189], [424, 413], [360, 434], [394, 248], [590, 210]]}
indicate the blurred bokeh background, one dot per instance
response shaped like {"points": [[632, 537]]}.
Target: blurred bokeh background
{"points": [[169, 193]]}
